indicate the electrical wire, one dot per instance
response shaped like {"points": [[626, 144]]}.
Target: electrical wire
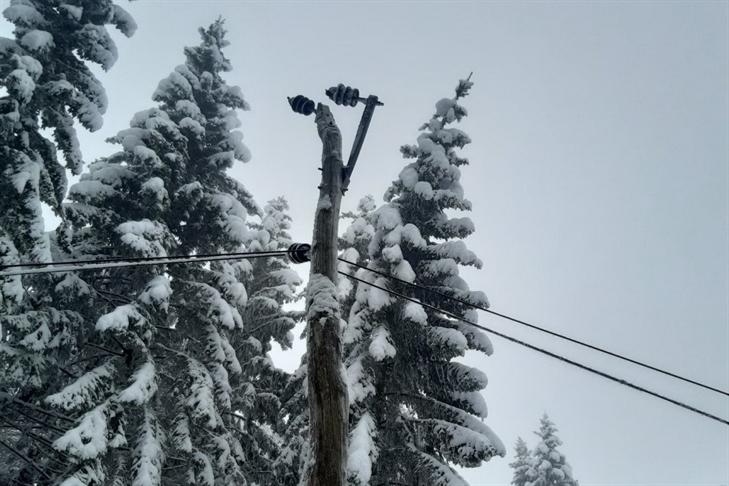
{"points": [[135, 259], [132, 262], [552, 333], [170, 260], [543, 351]]}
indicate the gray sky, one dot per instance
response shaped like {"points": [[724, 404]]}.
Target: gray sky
{"points": [[598, 179]]}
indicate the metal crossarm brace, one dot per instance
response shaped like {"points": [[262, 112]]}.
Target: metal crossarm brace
{"points": [[364, 124]]}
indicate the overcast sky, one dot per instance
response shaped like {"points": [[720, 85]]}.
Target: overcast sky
{"points": [[598, 179]]}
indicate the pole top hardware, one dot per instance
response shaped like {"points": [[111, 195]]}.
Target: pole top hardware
{"points": [[302, 104], [347, 96]]}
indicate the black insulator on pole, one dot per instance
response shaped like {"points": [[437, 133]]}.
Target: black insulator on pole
{"points": [[299, 252], [302, 104], [343, 95]]}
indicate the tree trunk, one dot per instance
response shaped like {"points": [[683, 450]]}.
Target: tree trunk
{"points": [[328, 402]]}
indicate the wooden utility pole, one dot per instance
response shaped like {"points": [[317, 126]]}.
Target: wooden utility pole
{"points": [[328, 401]]}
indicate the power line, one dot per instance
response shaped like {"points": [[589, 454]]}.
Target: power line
{"points": [[543, 351], [134, 259], [133, 262], [169, 260], [552, 333]]}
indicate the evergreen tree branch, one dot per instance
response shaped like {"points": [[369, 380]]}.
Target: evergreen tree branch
{"points": [[112, 295], [66, 372], [174, 351], [29, 461], [39, 421], [115, 353], [9, 398], [35, 437], [87, 358]]}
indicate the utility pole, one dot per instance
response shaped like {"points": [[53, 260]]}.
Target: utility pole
{"points": [[328, 400]]}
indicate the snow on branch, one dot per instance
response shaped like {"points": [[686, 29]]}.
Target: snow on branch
{"points": [[362, 450], [143, 387], [84, 390], [148, 454], [87, 440]]}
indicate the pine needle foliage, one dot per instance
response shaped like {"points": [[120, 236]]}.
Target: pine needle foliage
{"points": [[545, 465], [415, 412], [173, 384], [521, 463], [46, 88]]}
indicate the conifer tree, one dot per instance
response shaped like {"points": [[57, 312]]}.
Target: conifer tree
{"points": [[293, 428], [353, 245], [521, 463], [45, 83], [548, 466], [164, 402], [414, 412], [359, 233], [271, 279], [258, 401]]}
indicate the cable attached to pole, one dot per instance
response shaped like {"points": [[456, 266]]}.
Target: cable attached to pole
{"points": [[137, 259], [77, 266], [297, 253], [543, 351], [547, 331], [300, 252]]}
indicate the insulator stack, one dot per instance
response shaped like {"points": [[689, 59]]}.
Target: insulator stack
{"points": [[343, 95], [302, 104], [299, 252]]}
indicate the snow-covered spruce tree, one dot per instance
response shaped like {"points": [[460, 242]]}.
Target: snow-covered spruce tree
{"points": [[171, 384], [48, 84], [258, 402], [293, 428], [548, 466], [521, 463], [272, 280], [354, 246], [360, 231], [45, 83], [414, 411]]}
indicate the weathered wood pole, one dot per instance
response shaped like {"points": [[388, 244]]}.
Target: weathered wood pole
{"points": [[328, 402]]}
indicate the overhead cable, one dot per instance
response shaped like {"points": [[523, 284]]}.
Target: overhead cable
{"points": [[552, 333], [543, 351], [71, 266], [169, 260], [133, 259]]}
